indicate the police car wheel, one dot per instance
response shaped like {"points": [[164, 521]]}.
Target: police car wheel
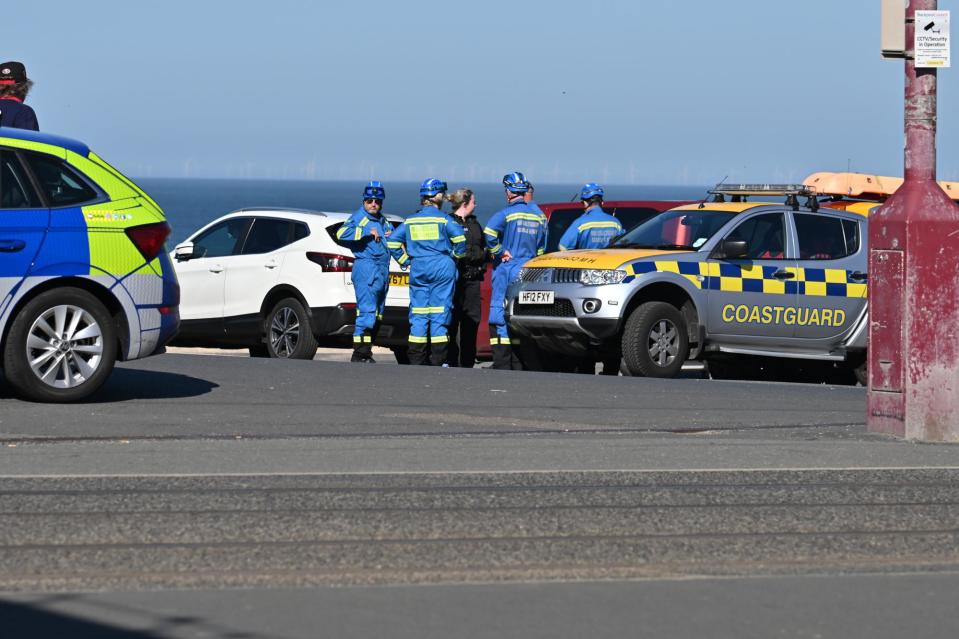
{"points": [[61, 347], [655, 343], [289, 334]]}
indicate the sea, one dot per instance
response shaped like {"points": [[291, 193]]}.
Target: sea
{"points": [[191, 203]]}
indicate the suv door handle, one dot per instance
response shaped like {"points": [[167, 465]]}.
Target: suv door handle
{"points": [[272, 264], [859, 276], [12, 246], [784, 275], [216, 268]]}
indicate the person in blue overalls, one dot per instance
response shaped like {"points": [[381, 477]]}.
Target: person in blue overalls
{"points": [[431, 241], [593, 229], [513, 236], [366, 233], [14, 87]]}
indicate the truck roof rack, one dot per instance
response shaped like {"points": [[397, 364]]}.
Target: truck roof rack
{"points": [[742, 193]]}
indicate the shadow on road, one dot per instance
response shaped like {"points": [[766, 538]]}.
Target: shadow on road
{"points": [[127, 384], [26, 620]]}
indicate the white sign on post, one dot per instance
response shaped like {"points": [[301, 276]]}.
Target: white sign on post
{"points": [[932, 39]]}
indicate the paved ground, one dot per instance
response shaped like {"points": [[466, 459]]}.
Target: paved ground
{"points": [[852, 607], [419, 502]]}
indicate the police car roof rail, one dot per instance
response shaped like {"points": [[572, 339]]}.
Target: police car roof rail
{"points": [[742, 192]]}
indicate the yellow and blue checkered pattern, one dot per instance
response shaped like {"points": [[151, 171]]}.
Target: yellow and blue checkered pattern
{"points": [[755, 278]]}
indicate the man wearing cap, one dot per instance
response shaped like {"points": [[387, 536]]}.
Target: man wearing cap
{"points": [[365, 234], [513, 236], [431, 241], [593, 229], [14, 87]]}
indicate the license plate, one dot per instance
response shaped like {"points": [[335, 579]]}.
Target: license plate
{"points": [[399, 279], [536, 297]]}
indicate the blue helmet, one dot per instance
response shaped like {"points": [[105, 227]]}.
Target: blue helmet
{"points": [[431, 187], [515, 182], [591, 189], [374, 191]]}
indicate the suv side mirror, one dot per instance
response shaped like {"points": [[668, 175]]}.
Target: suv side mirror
{"points": [[732, 249], [183, 252]]}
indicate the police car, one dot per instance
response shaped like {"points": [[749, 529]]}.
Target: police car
{"points": [[84, 280], [719, 280]]}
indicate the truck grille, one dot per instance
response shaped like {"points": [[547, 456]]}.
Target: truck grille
{"points": [[559, 308], [566, 275], [551, 275]]}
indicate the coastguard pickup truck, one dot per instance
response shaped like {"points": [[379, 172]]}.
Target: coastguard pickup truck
{"points": [[731, 281]]}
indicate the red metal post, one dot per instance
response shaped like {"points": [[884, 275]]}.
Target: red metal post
{"points": [[914, 281]]}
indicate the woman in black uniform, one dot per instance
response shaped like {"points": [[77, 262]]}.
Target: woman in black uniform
{"points": [[472, 268]]}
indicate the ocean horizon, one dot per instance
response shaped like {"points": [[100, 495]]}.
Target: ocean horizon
{"points": [[190, 203]]}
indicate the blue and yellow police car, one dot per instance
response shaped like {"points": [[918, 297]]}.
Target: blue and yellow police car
{"points": [[84, 279]]}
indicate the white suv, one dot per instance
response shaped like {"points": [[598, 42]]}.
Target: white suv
{"points": [[276, 282]]}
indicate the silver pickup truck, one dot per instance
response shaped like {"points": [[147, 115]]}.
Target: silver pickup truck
{"points": [[732, 282]]}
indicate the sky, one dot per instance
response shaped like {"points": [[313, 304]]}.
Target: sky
{"points": [[615, 91]]}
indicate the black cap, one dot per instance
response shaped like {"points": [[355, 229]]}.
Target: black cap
{"points": [[12, 73]]}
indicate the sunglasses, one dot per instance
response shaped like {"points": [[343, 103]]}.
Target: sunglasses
{"points": [[372, 200]]}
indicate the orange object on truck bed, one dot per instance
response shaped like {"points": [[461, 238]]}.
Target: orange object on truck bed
{"points": [[864, 186]]}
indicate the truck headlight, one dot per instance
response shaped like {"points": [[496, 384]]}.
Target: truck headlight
{"points": [[597, 276]]}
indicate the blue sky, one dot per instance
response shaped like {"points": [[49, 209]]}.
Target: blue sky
{"points": [[618, 91]]}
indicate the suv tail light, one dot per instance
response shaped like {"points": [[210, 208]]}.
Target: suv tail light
{"points": [[332, 262], [149, 238]]}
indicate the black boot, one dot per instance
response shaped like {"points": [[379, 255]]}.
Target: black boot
{"points": [[439, 351], [502, 357], [417, 354], [515, 363], [363, 350]]}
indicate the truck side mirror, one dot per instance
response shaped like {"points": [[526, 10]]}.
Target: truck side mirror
{"points": [[731, 250]]}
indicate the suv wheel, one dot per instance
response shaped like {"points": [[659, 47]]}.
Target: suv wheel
{"points": [[655, 343], [288, 331], [61, 347]]}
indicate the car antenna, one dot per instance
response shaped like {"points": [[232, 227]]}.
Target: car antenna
{"points": [[702, 202]]}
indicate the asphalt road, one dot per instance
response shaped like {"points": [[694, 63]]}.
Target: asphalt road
{"points": [[206, 396], [232, 497]]}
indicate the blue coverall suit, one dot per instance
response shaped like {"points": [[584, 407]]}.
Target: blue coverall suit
{"points": [[432, 240], [370, 276], [520, 228], [593, 229]]}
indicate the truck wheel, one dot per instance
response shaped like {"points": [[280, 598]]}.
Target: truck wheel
{"points": [[289, 334], [655, 343], [61, 347]]}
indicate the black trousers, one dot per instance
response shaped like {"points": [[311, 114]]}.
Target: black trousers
{"points": [[466, 319]]}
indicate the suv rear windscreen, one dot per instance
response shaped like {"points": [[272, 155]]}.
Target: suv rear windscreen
{"points": [[561, 219], [631, 217]]}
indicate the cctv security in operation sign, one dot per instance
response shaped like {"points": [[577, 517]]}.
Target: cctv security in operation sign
{"points": [[932, 39]]}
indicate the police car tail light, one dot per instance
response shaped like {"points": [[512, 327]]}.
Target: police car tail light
{"points": [[149, 238], [331, 262], [596, 276]]}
